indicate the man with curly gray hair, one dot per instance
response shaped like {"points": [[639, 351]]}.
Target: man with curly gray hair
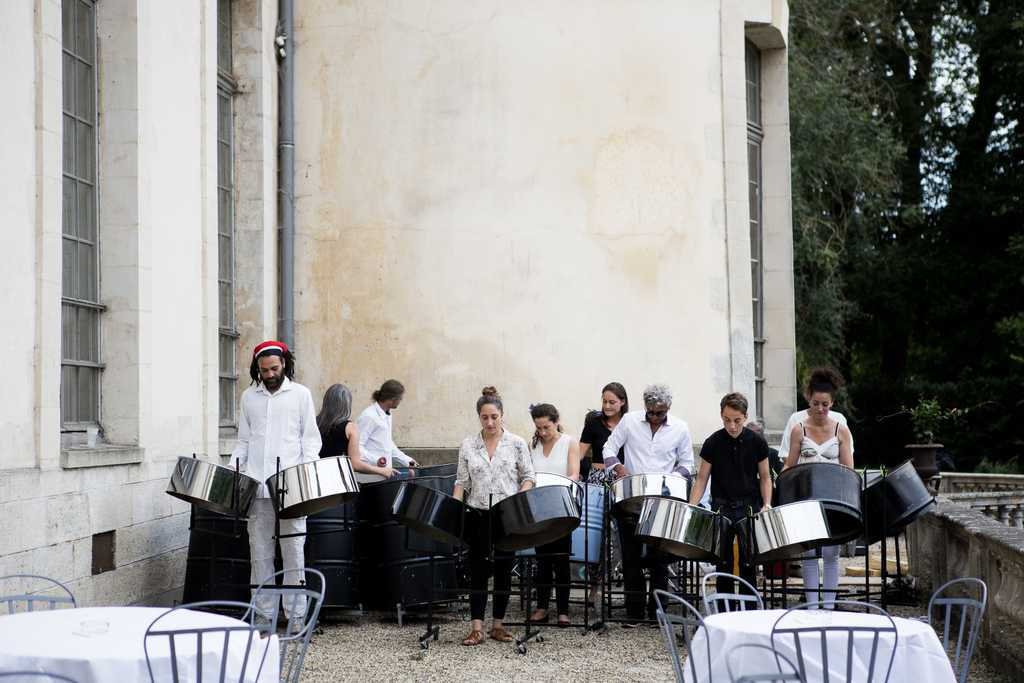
{"points": [[653, 442]]}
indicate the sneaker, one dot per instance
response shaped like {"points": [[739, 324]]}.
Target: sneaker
{"points": [[296, 627]]}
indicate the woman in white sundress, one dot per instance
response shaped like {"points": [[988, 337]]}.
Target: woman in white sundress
{"points": [[820, 438]]}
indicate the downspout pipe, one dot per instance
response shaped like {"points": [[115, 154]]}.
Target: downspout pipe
{"points": [[286, 181]]}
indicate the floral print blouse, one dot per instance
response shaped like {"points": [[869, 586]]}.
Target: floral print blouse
{"points": [[501, 475]]}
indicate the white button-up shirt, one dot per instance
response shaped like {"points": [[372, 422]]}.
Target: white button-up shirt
{"points": [[279, 425], [375, 440], [667, 449]]}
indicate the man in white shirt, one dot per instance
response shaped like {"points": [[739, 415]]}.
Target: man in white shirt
{"points": [[277, 420], [654, 441], [376, 446]]}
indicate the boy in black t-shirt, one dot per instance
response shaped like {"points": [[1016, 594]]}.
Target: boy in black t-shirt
{"points": [[742, 479]]}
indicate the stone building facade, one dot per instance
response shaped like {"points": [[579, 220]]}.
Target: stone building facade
{"points": [[543, 197]]}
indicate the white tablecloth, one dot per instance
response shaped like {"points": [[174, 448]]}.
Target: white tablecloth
{"points": [[919, 653], [73, 642]]}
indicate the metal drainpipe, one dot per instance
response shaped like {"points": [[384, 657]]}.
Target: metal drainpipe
{"points": [[286, 190]]}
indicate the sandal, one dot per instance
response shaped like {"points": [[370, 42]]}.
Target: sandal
{"points": [[542, 620], [500, 635], [476, 637]]}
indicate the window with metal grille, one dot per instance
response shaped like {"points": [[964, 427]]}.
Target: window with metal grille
{"points": [[225, 217], [80, 289], [755, 137]]}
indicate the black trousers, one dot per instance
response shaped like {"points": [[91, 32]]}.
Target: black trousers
{"points": [[633, 563], [480, 568], [748, 573], [557, 566]]}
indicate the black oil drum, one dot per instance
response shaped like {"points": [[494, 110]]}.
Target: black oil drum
{"points": [[397, 563], [332, 547], [837, 487], [899, 498], [217, 564]]}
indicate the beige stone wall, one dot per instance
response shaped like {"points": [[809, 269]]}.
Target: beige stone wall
{"points": [[540, 197]]}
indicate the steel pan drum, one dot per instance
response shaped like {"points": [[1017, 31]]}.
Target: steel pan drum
{"points": [[312, 487], [785, 531], [900, 495], [212, 487], [837, 487], [537, 516], [681, 529], [434, 514], [628, 493]]}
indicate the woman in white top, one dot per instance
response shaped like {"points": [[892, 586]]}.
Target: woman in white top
{"points": [[493, 465], [820, 438], [556, 453]]}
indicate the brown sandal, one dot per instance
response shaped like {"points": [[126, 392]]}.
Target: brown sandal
{"points": [[500, 635], [476, 637]]}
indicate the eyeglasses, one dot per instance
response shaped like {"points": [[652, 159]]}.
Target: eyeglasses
{"points": [[656, 413]]}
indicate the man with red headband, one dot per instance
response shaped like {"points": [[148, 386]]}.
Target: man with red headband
{"points": [[277, 421]]}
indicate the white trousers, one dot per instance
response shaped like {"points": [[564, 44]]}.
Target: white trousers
{"points": [[261, 555], [830, 575]]}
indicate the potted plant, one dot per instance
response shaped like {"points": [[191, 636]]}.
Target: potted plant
{"points": [[926, 417]]}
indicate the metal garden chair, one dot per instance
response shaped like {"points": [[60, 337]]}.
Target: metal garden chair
{"points": [[247, 635], [688, 622], [968, 623], [31, 599], [727, 602], [299, 629], [811, 641], [777, 675]]}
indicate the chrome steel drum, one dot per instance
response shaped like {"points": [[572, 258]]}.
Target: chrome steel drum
{"points": [[434, 514], [628, 493], [900, 495], [312, 487], [550, 479], [785, 531], [836, 486], [212, 487], [536, 516], [681, 529]]}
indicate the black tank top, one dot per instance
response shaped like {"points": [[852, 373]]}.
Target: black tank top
{"points": [[336, 441]]}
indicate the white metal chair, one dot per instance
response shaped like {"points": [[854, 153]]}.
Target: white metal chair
{"points": [[812, 639], [968, 623], [294, 645], [735, 666], [726, 602], [30, 599], [687, 622], [248, 635]]}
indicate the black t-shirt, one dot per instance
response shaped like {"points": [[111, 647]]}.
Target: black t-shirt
{"points": [[336, 442], [595, 433], [734, 464]]}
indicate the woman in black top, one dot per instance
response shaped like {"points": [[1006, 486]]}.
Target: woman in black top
{"points": [[340, 435], [597, 428]]}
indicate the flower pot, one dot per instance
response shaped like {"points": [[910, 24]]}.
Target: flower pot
{"points": [[924, 462]]}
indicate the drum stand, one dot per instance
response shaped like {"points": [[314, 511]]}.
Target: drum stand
{"points": [[432, 629]]}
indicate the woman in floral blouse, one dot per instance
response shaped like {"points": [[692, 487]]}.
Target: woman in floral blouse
{"points": [[493, 465]]}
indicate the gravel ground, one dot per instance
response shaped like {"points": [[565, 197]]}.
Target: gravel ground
{"points": [[378, 650]]}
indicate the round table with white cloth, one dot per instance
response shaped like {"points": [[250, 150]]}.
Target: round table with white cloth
{"points": [[102, 644], [919, 653]]}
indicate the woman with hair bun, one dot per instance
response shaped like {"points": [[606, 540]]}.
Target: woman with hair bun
{"points": [[556, 453], [493, 465], [821, 438]]}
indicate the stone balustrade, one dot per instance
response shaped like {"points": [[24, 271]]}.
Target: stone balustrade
{"points": [[956, 540], [1004, 506], [968, 482]]}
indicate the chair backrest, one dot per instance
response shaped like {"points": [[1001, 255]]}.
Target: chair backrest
{"points": [[31, 599], [724, 602], [687, 622], [810, 640], [41, 675], [293, 647], [969, 623], [187, 654], [735, 665]]}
